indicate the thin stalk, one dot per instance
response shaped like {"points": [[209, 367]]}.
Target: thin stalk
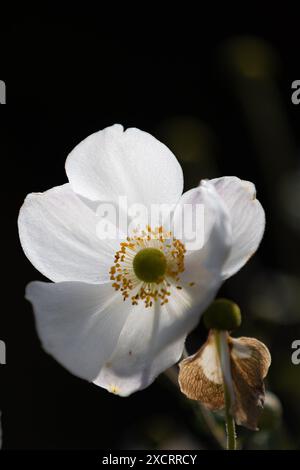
{"points": [[223, 351]]}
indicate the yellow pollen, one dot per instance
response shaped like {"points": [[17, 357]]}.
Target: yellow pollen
{"points": [[114, 389], [170, 254]]}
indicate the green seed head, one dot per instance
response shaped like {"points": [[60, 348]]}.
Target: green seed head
{"points": [[222, 314], [150, 265]]}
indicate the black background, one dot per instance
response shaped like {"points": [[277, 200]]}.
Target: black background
{"points": [[67, 78]]}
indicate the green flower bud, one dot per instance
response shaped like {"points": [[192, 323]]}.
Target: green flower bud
{"points": [[222, 314]]}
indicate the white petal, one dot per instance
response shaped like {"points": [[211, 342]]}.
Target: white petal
{"points": [[214, 231], [247, 220], [113, 163], [58, 235], [79, 324], [152, 340], [139, 356]]}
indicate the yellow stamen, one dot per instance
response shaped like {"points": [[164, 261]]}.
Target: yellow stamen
{"points": [[158, 290]]}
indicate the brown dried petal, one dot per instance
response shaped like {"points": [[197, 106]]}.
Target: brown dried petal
{"points": [[200, 376], [250, 361]]}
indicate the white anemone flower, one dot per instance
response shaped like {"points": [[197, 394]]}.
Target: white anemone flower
{"points": [[118, 311]]}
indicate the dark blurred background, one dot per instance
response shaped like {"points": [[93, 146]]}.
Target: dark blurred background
{"points": [[220, 98]]}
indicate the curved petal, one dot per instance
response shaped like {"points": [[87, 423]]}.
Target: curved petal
{"points": [[247, 220], [250, 362], [152, 339], [79, 324], [138, 357], [58, 235], [113, 163], [200, 376], [212, 231]]}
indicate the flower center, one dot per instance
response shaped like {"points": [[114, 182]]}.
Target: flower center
{"points": [[150, 265]]}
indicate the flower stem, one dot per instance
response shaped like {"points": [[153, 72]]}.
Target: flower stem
{"points": [[230, 424], [223, 351]]}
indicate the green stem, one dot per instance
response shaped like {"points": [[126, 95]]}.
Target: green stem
{"points": [[223, 352], [230, 424]]}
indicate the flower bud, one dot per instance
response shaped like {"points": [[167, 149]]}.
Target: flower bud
{"points": [[222, 314]]}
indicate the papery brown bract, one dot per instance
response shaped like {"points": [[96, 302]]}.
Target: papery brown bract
{"points": [[200, 377]]}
